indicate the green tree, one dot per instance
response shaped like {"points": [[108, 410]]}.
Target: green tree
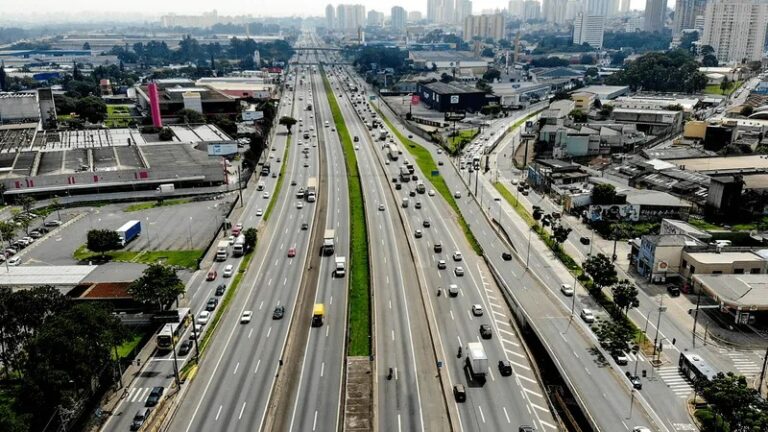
{"points": [[673, 71], [738, 406], [587, 59], [603, 194], [601, 269], [446, 78], [709, 60], [250, 238], [7, 230], [87, 46], [725, 85], [491, 75], [487, 52], [606, 110], [706, 50], [625, 295], [755, 66], [91, 108], [3, 78], [578, 116], [288, 122], [613, 335], [746, 110], [103, 241], [158, 285], [190, 116], [165, 134]]}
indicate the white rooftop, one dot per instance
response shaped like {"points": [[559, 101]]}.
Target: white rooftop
{"points": [[44, 275]]}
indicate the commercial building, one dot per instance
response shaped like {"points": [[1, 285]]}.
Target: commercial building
{"points": [[744, 296], [659, 256], [721, 261], [735, 29], [589, 29], [398, 18], [546, 174], [451, 97], [462, 62], [172, 98], [519, 94], [675, 226], [655, 15], [605, 92], [583, 101], [652, 122], [484, 26], [531, 10], [686, 13], [656, 102]]}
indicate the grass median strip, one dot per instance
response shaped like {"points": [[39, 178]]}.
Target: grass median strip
{"points": [[427, 165], [280, 178], [177, 258], [359, 272]]}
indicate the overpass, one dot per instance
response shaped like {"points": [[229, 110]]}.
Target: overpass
{"points": [[316, 49]]}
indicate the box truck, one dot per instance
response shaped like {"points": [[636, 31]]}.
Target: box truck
{"points": [[129, 231]]}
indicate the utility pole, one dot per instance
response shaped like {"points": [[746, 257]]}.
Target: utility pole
{"points": [[528, 254], [696, 317], [762, 373], [658, 322], [240, 185]]}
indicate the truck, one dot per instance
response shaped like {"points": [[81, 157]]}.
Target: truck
{"points": [[166, 187], [265, 169], [129, 231], [318, 315], [238, 249], [311, 193], [405, 175], [477, 361], [393, 152], [341, 267], [329, 239], [222, 250]]}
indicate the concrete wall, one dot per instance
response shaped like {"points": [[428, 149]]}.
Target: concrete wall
{"points": [[15, 107]]}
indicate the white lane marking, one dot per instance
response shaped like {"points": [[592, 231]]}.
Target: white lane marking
{"points": [[218, 413], [258, 363], [241, 411], [236, 367]]}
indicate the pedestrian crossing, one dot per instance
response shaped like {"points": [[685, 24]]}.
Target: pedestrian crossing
{"points": [[745, 363], [675, 381], [138, 394]]}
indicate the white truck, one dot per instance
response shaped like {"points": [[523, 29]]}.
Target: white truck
{"points": [[166, 187], [311, 194], [222, 250], [477, 361], [341, 267], [238, 249], [329, 240]]}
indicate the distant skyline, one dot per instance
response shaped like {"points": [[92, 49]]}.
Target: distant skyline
{"points": [[86, 10]]}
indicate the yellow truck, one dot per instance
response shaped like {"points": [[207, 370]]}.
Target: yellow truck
{"points": [[318, 315]]}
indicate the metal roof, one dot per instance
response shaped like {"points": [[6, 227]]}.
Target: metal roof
{"points": [[28, 276]]}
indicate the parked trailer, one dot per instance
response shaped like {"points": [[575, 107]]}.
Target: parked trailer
{"points": [[129, 231]]}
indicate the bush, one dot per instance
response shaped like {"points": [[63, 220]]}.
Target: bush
{"points": [[166, 134]]}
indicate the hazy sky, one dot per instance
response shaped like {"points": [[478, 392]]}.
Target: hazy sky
{"points": [[225, 7]]}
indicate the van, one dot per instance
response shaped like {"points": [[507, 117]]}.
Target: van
{"points": [[405, 202], [460, 393], [260, 186], [318, 315]]}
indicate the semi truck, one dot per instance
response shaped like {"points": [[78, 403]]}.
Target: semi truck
{"points": [[222, 250], [329, 239], [238, 249], [393, 152], [129, 231], [311, 194], [341, 267], [477, 361], [166, 187]]}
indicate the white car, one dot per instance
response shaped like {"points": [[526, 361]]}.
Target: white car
{"points": [[566, 289], [245, 318], [588, 316], [300, 205], [266, 195], [229, 270], [14, 261], [203, 318], [259, 212], [477, 310], [457, 256], [459, 271], [431, 192]]}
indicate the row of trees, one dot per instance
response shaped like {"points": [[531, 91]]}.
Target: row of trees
{"points": [[673, 71], [732, 405]]}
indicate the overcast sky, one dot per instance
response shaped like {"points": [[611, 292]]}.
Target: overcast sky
{"points": [[73, 8]]}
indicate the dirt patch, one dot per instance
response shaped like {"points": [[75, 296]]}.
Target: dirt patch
{"points": [[358, 405]]}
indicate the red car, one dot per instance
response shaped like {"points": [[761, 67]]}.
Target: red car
{"points": [[291, 252]]}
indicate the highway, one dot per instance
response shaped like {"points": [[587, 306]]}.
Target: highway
{"points": [[411, 398]]}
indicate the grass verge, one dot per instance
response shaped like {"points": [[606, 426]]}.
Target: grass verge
{"points": [[427, 165], [178, 258], [155, 204], [507, 195], [128, 346], [280, 178], [359, 272], [461, 137], [716, 90]]}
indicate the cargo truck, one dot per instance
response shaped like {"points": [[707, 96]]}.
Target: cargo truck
{"points": [[341, 267], [318, 315], [329, 239], [311, 194], [166, 187], [129, 231], [222, 250], [405, 175], [392, 151], [477, 361], [238, 249]]}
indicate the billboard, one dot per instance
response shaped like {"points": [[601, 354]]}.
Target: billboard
{"points": [[222, 149], [614, 212]]}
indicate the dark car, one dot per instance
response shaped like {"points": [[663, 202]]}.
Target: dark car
{"points": [[278, 313], [526, 428], [412, 193], [185, 347], [139, 419], [506, 256], [398, 186], [635, 380], [585, 241], [673, 290], [154, 396], [438, 247], [485, 331], [220, 289], [212, 303], [505, 368], [460, 393]]}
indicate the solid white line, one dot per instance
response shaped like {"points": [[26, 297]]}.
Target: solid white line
{"points": [[241, 411], [218, 413]]}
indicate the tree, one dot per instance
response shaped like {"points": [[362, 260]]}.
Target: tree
{"points": [[613, 335], [483, 85], [158, 285], [26, 202], [165, 134], [250, 238], [725, 85], [601, 269], [189, 116], [746, 110], [755, 66], [603, 194], [446, 78], [288, 122], [706, 50], [91, 108], [102, 241], [578, 116], [618, 58], [3, 77], [492, 75], [709, 60], [587, 59], [487, 52], [672, 71], [87, 46], [606, 110], [625, 295], [737, 404], [7, 230]]}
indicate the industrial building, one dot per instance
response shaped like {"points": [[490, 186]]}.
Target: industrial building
{"points": [[175, 95], [450, 97]]}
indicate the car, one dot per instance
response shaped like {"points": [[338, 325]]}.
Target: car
{"points": [[439, 151], [139, 419], [28, 239], [566, 289], [426, 223], [265, 195], [14, 261], [386, 162], [431, 192], [229, 270], [357, 147], [278, 313], [417, 234], [410, 136], [154, 396], [477, 310], [381, 206], [441, 265], [300, 205], [412, 193], [293, 182], [259, 212], [185, 347], [505, 368], [673, 290], [459, 393], [458, 271], [356, 138], [635, 380], [52, 223], [291, 252], [212, 274], [620, 357], [457, 256], [585, 241], [526, 428], [231, 239], [485, 331], [211, 305], [245, 318], [220, 289], [239, 226], [306, 164], [203, 317], [641, 429], [439, 163], [506, 256], [438, 247], [588, 316], [304, 226], [42, 230]]}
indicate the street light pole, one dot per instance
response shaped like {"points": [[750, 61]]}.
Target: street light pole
{"points": [[149, 237], [658, 323], [528, 254]]}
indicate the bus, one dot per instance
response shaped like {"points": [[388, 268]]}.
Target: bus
{"points": [[694, 367], [172, 331]]}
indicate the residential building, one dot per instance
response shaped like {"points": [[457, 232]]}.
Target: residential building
{"points": [[554, 11], [589, 29], [398, 18], [531, 10], [655, 15], [516, 8], [735, 29], [545, 174], [440, 11], [484, 26], [375, 18], [686, 12], [330, 17], [414, 16], [603, 8], [463, 10], [350, 17], [572, 9], [624, 7]]}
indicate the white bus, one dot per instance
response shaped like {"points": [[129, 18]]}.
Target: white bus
{"points": [[171, 332]]}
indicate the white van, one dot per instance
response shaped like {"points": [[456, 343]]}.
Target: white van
{"points": [[405, 202]]}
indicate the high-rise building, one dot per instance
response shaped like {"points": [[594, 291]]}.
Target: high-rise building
{"points": [[330, 16], [589, 29], [554, 10], [624, 8], [398, 18], [735, 29], [601, 7], [484, 26], [655, 15], [516, 8], [686, 12], [573, 8], [414, 16], [375, 19], [440, 11], [531, 10], [350, 17], [462, 11]]}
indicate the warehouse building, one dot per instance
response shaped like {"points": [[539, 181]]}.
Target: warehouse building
{"points": [[451, 97]]}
